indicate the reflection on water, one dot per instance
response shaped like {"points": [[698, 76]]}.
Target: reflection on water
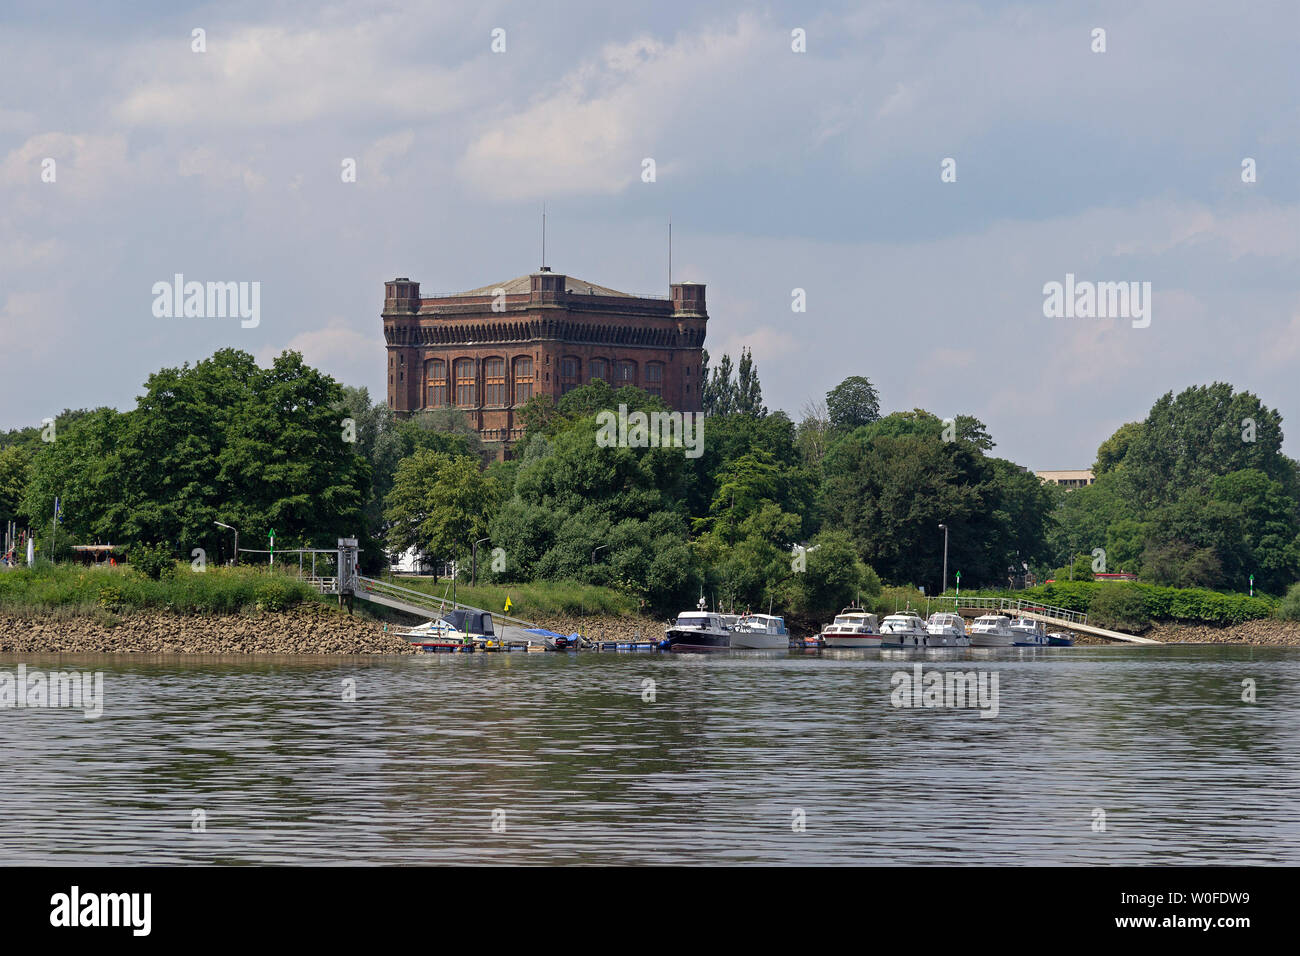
{"points": [[713, 770]]}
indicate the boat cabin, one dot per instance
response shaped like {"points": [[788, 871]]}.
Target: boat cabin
{"points": [[474, 623]]}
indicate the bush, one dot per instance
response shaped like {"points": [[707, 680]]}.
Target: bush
{"points": [[1289, 609], [1119, 607], [1191, 605], [153, 561], [894, 600]]}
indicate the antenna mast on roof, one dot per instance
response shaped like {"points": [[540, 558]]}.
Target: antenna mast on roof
{"points": [[543, 235], [670, 250]]}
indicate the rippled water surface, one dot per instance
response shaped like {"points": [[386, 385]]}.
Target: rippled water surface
{"points": [[733, 751]]}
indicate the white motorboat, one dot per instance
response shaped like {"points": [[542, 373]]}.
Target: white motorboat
{"points": [[1029, 633], [992, 630], [760, 632], [436, 633], [698, 631], [852, 627], [947, 630], [904, 629]]}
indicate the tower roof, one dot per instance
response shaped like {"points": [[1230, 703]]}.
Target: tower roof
{"points": [[521, 285]]}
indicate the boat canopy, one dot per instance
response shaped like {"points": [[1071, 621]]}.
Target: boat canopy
{"points": [[471, 622]]}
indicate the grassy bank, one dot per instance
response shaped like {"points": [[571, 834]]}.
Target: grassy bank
{"points": [[536, 599], [75, 589]]}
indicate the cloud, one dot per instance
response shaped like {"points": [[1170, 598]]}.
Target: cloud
{"points": [[85, 164], [350, 355], [274, 76], [589, 133]]}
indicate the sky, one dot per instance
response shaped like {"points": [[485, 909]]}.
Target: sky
{"points": [[820, 170]]}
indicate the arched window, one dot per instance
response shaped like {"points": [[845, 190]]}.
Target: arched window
{"points": [[654, 378], [523, 379], [598, 369], [465, 396], [624, 373], [435, 376], [494, 381], [570, 373]]}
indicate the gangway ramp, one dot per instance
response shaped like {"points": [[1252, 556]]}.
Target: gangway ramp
{"points": [[1037, 611], [425, 605], [1084, 628]]}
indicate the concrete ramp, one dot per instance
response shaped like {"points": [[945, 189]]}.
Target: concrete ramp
{"points": [[423, 605], [1087, 629], [1060, 617]]}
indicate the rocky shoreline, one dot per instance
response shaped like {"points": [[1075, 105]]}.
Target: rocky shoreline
{"points": [[319, 629], [306, 629]]}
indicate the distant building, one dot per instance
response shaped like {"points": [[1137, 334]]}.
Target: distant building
{"points": [[489, 350], [1067, 479]]}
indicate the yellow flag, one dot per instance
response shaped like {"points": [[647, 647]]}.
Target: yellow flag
{"points": [[508, 605]]}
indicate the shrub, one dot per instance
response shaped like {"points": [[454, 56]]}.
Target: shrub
{"points": [[1289, 609], [1120, 607], [153, 561]]}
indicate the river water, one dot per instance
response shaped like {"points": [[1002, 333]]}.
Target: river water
{"points": [[1097, 755]]}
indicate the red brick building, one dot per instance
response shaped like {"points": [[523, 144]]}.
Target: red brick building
{"points": [[489, 350]]}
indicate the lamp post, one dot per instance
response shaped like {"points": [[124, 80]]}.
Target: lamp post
{"points": [[593, 553], [222, 524], [944, 590], [473, 574]]}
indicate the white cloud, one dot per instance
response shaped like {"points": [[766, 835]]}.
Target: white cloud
{"points": [[343, 351], [638, 99], [273, 76]]}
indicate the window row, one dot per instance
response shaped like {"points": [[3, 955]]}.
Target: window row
{"points": [[461, 387], [463, 383], [624, 372]]}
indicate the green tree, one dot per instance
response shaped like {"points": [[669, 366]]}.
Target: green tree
{"points": [[748, 393], [853, 403], [439, 504], [718, 393]]}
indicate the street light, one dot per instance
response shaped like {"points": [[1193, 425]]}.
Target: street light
{"points": [[473, 574], [603, 546], [231, 528], [944, 590]]}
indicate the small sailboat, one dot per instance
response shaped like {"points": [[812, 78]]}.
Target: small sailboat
{"points": [[437, 634]]}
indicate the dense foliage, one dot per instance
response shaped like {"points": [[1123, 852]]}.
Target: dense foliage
{"points": [[806, 517], [1198, 494]]}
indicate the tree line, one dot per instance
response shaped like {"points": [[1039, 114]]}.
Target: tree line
{"points": [[803, 516]]}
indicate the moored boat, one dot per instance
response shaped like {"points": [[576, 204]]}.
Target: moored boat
{"points": [[852, 627], [947, 630], [1029, 633], [760, 632], [992, 630], [1059, 640], [698, 631], [437, 634], [904, 629], [553, 641]]}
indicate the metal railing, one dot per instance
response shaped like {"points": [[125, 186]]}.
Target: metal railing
{"points": [[427, 600], [1017, 605]]}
